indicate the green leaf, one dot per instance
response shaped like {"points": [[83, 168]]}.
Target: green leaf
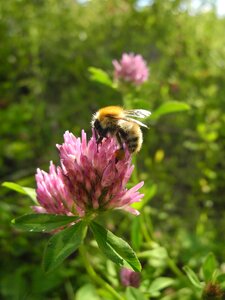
{"points": [[31, 193], [209, 267], [101, 76], [157, 257], [134, 294], [114, 247], [192, 277], [21, 189], [169, 107], [42, 222], [221, 280], [14, 186], [215, 275], [159, 284], [62, 244], [87, 292], [158, 253], [136, 234]]}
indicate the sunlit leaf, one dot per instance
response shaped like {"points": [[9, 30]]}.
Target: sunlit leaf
{"points": [[14, 186], [156, 253], [160, 283], [100, 76], [169, 107], [134, 294], [21, 189], [42, 222], [62, 244], [87, 292], [31, 193], [193, 277], [115, 248], [209, 267]]}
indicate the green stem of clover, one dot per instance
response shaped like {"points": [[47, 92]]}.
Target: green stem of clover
{"points": [[173, 267], [94, 276]]}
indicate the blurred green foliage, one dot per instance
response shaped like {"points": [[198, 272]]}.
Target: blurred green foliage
{"points": [[46, 50]]}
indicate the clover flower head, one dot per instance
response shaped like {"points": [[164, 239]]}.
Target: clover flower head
{"points": [[212, 291], [89, 180], [131, 68], [129, 278]]}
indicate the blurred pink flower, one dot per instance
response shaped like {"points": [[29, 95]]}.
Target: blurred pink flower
{"points": [[131, 68], [89, 180], [130, 278]]}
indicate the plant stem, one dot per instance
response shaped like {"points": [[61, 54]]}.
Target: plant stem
{"points": [[69, 290], [145, 233], [148, 221], [174, 267], [94, 276]]}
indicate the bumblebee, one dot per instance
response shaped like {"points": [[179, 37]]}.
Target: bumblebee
{"points": [[118, 122]]}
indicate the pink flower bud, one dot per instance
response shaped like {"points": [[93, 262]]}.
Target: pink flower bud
{"points": [[130, 278]]}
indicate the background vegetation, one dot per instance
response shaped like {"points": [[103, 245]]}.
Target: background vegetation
{"points": [[45, 89]]}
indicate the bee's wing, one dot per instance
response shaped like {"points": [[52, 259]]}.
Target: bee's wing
{"points": [[127, 119], [137, 113], [135, 121]]}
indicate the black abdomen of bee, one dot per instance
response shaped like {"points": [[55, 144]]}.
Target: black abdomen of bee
{"points": [[131, 140], [132, 143]]}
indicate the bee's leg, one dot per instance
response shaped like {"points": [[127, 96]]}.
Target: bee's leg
{"points": [[119, 140], [96, 134], [101, 135], [99, 139], [120, 153]]}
